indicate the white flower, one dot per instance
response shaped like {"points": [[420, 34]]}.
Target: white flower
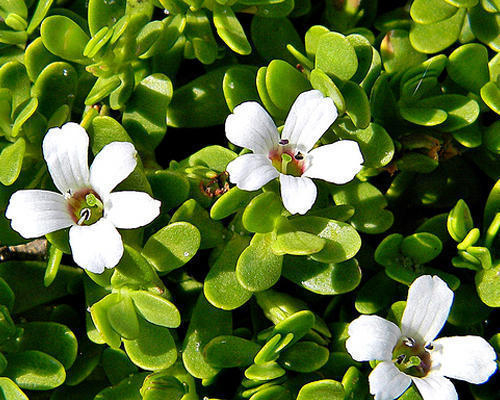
{"points": [[291, 158], [86, 203], [412, 354]]}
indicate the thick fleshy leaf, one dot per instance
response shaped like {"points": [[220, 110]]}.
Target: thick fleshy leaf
{"points": [[251, 127], [468, 358], [97, 246], [427, 308], [65, 151], [11, 161], [37, 212], [251, 171], [387, 382], [111, 166], [298, 193], [338, 162], [129, 210], [435, 387], [325, 389], [309, 118], [372, 338]]}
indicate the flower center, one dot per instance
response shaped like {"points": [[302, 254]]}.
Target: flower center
{"points": [[286, 160], [85, 207], [412, 358]]}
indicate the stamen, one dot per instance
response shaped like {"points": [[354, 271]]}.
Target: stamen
{"points": [[430, 346], [85, 214], [283, 142], [410, 342], [299, 156], [400, 358], [285, 160]]}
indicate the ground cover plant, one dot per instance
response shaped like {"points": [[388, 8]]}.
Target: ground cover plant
{"points": [[249, 199]]}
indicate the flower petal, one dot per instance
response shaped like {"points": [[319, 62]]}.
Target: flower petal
{"points": [[97, 246], [427, 308], [469, 358], [251, 127], [387, 382], [65, 150], [298, 193], [434, 387], [112, 165], [372, 338], [338, 162], [310, 116], [35, 213], [251, 171], [129, 210]]}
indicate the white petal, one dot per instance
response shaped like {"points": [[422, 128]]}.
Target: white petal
{"points": [[435, 387], [112, 165], [469, 358], [372, 338], [97, 246], [310, 116], [37, 212], [338, 162], [298, 193], [65, 150], [427, 308], [387, 382], [251, 127], [129, 210], [251, 171]]}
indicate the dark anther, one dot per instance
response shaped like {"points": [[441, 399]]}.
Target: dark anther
{"points": [[299, 156], [400, 359], [430, 346], [410, 342], [283, 142], [300, 67]]}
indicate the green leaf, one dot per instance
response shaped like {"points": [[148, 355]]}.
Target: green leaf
{"points": [[270, 37], [42, 8], [154, 348], [375, 294], [103, 13], [258, 268], [230, 351], [325, 279], [490, 93], [6, 295], [145, 116], [396, 50], [13, 77], [99, 313], [239, 85], [326, 389], [71, 45], [213, 157], [421, 247], [127, 389], [488, 286], [459, 221], [172, 246], [123, 318], [54, 87], [425, 116], [461, 110], [322, 82], [51, 338], [355, 386], [485, 26], [206, 323], [357, 104], [312, 38], [230, 202], [222, 287], [11, 161], [117, 365], [156, 309], [304, 357], [468, 66], [230, 30], [370, 214], [467, 308], [262, 212], [278, 72], [199, 32], [34, 370], [10, 391], [289, 240], [336, 56], [199, 103], [431, 11], [432, 38]]}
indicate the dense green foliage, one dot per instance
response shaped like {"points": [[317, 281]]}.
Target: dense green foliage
{"points": [[227, 295]]}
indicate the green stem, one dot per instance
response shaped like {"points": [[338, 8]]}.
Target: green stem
{"points": [[53, 263], [88, 117]]}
